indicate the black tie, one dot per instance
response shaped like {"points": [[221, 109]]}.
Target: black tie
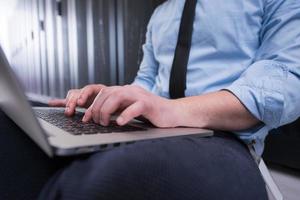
{"points": [[179, 67]]}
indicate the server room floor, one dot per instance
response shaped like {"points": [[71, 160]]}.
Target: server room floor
{"points": [[288, 181]]}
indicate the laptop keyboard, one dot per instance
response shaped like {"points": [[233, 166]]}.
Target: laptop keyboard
{"points": [[75, 126]]}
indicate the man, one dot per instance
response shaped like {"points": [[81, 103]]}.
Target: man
{"points": [[243, 68], [242, 71]]}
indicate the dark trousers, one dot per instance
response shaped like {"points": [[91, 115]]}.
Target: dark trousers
{"points": [[24, 168], [218, 167]]}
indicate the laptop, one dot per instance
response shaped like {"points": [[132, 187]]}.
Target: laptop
{"points": [[58, 135]]}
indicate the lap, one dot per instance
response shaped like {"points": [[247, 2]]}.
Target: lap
{"points": [[218, 167]]}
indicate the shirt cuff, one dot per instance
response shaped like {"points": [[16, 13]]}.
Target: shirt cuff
{"points": [[260, 90]]}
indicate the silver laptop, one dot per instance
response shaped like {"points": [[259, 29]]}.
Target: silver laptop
{"points": [[59, 135]]}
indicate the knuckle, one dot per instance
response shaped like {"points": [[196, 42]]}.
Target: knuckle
{"points": [[94, 110], [69, 93], [98, 87], [73, 100], [86, 89], [143, 105], [71, 105], [115, 88], [118, 94], [104, 90], [69, 102], [104, 112], [129, 112], [88, 112], [82, 91]]}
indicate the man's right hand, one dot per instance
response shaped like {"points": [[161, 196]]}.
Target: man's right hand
{"points": [[78, 97]]}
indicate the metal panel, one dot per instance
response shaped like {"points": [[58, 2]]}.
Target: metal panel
{"points": [[66, 64], [28, 43], [72, 41], [62, 47], [36, 47], [43, 49], [81, 25], [60, 44], [102, 42], [90, 41], [22, 55], [112, 42], [121, 41], [51, 48], [78, 43]]}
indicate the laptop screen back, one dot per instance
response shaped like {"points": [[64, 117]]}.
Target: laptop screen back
{"points": [[14, 103]]}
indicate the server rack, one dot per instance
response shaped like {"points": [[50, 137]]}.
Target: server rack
{"points": [[51, 38], [43, 49], [36, 47], [102, 42], [64, 44]]}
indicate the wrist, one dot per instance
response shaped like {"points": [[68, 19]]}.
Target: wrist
{"points": [[176, 113], [190, 112], [164, 113], [173, 113]]}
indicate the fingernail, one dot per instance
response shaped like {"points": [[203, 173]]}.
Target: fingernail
{"points": [[67, 109], [120, 120], [101, 122], [84, 118]]}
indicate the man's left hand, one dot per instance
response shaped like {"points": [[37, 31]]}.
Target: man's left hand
{"points": [[131, 101]]}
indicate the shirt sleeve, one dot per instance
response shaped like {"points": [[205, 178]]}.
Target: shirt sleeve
{"points": [[270, 87], [149, 66]]}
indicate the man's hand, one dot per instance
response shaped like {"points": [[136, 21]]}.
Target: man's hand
{"points": [[131, 101], [78, 97]]}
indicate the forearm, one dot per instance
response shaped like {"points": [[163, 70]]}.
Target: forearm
{"points": [[219, 110]]}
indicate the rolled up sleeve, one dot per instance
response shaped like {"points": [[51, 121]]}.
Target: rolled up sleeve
{"points": [[270, 87], [262, 89]]}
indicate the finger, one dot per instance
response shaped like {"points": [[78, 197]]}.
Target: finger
{"points": [[87, 115], [98, 102], [71, 104], [84, 96], [69, 94], [134, 110], [57, 103], [94, 109], [109, 107]]}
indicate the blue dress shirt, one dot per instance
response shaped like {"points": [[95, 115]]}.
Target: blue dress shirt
{"points": [[249, 47]]}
